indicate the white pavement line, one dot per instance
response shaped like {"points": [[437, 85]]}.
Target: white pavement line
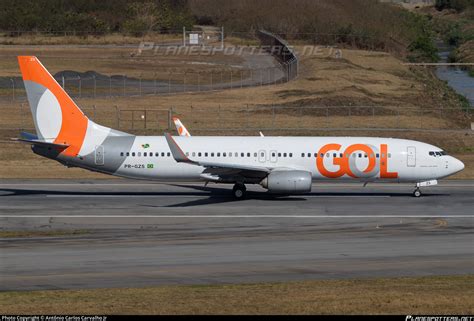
{"points": [[237, 216]]}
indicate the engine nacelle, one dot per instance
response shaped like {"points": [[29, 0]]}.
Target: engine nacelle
{"points": [[288, 182]]}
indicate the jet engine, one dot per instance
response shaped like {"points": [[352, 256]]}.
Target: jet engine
{"points": [[288, 182]]}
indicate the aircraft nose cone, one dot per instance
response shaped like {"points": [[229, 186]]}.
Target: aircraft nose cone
{"points": [[457, 165]]}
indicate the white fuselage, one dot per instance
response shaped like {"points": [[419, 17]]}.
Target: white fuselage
{"points": [[326, 158]]}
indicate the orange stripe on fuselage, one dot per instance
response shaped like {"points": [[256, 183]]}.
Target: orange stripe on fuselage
{"points": [[74, 122]]}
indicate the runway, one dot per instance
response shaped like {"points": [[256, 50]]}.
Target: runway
{"points": [[145, 234]]}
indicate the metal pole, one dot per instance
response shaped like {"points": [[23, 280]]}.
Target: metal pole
{"points": [[117, 116], [184, 82], [170, 117], [212, 86], [154, 83], [145, 117], [124, 80], [184, 36], [80, 87], [241, 79], [140, 85], [222, 38], [199, 83], [231, 86], [110, 86], [169, 83], [13, 89]]}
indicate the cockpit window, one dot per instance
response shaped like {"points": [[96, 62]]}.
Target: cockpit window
{"points": [[437, 153]]}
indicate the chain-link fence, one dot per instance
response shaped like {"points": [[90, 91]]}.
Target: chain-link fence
{"points": [[241, 119], [92, 84], [282, 52]]}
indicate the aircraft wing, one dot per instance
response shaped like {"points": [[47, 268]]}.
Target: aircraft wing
{"points": [[222, 170]]}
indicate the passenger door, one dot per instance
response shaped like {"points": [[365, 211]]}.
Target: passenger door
{"points": [[411, 156]]}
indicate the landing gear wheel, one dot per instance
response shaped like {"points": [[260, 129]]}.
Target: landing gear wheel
{"points": [[239, 191], [417, 193]]}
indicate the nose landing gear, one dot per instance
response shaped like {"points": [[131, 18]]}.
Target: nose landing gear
{"points": [[417, 192], [239, 190]]}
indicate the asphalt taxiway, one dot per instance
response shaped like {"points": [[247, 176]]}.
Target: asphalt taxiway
{"points": [[143, 234]]}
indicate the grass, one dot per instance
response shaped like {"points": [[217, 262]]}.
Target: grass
{"points": [[119, 61], [68, 39], [411, 295], [38, 233]]}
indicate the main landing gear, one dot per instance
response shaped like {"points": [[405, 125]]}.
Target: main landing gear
{"points": [[239, 190], [417, 192]]}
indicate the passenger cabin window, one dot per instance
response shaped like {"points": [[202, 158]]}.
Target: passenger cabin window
{"points": [[121, 154], [168, 154]]}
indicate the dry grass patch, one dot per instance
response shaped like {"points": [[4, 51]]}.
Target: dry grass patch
{"points": [[422, 295]]}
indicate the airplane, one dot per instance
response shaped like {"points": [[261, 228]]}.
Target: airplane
{"points": [[282, 165], [182, 131]]}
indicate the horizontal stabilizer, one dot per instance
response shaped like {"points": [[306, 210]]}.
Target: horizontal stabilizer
{"points": [[33, 139]]}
